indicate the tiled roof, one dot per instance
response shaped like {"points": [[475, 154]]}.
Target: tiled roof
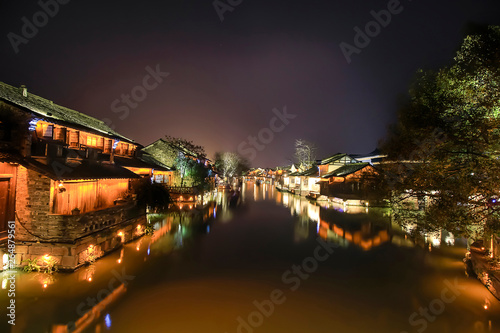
{"points": [[10, 157], [332, 158], [149, 159], [62, 169], [346, 170], [311, 172], [46, 109]]}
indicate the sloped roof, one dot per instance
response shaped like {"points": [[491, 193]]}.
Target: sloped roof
{"points": [[145, 161], [10, 157], [311, 172], [346, 170], [374, 156], [149, 159], [62, 169], [333, 158], [46, 109]]}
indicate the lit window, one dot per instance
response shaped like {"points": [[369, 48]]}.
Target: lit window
{"points": [[47, 131]]}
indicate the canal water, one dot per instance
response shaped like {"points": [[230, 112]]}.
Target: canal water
{"points": [[274, 263]]}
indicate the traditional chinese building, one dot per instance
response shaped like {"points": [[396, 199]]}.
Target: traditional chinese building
{"points": [[351, 183], [65, 180]]}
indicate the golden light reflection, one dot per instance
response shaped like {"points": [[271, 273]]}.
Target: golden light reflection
{"points": [[121, 256]]}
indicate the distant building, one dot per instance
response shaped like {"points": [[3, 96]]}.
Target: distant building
{"points": [[374, 158], [353, 182]]}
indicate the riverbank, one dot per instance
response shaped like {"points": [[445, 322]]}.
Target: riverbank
{"points": [[486, 269]]}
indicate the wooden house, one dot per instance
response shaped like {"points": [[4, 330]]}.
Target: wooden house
{"points": [[60, 180], [352, 181], [334, 162]]}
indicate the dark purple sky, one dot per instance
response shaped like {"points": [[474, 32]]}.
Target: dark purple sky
{"points": [[226, 77]]}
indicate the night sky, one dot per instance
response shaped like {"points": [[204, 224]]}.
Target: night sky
{"points": [[225, 77]]}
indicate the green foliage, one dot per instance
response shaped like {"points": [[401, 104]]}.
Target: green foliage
{"points": [[446, 144], [149, 230], [31, 265], [49, 264]]}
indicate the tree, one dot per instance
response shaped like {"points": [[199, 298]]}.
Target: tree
{"points": [[188, 159], [186, 146], [305, 153], [230, 164], [151, 195], [446, 144]]}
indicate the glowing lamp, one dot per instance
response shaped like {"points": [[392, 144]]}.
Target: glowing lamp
{"points": [[5, 259], [45, 285], [32, 124], [107, 321], [486, 306]]}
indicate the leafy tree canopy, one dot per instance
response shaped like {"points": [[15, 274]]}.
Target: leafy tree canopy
{"points": [[446, 143]]}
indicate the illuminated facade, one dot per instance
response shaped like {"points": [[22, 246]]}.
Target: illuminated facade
{"points": [[65, 180]]}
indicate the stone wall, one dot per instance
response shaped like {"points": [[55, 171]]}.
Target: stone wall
{"points": [[71, 256], [34, 221], [488, 275], [32, 204], [67, 238]]}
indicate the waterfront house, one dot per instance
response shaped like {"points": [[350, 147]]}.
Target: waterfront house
{"points": [[68, 196], [351, 183], [334, 162]]}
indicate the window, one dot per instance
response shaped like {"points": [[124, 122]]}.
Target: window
{"points": [[91, 141], [108, 146], [73, 138], [60, 134], [47, 131]]}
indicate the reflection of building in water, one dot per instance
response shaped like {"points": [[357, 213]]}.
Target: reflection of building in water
{"points": [[360, 232], [262, 191]]}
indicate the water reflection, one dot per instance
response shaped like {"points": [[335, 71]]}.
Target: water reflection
{"points": [[213, 261], [365, 229]]}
